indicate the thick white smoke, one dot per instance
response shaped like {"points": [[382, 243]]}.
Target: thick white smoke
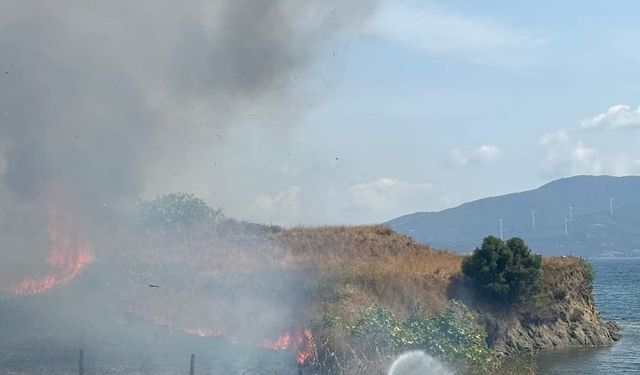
{"points": [[418, 363]]}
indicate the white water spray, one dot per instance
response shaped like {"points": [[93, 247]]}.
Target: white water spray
{"points": [[418, 363]]}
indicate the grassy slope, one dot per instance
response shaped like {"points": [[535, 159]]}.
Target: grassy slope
{"points": [[372, 264], [299, 275]]}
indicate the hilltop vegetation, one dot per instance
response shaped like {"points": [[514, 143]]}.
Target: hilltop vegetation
{"points": [[366, 293], [176, 209], [506, 272]]}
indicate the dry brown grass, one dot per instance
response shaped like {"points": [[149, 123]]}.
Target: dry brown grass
{"points": [[558, 272], [228, 281], [367, 251], [560, 263], [372, 264], [360, 252], [345, 269]]}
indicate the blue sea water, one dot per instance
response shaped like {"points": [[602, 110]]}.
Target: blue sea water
{"points": [[617, 294]]}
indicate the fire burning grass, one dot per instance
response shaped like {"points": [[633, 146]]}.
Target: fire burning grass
{"points": [[300, 292], [283, 279], [300, 339], [69, 253], [245, 287], [201, 332]]}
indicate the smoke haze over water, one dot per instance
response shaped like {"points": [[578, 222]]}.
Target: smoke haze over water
{"points": [[103, 101]]}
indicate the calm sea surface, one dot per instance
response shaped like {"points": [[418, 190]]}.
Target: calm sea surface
{"points": [[617, 293]]}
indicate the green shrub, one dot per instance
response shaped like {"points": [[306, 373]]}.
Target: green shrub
{"points": [[381, 334], [450, 336], [504, 271], [587, 270], [175, 210]]}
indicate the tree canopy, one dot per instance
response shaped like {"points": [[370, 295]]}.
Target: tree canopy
{"points": [[176, 209], [504, 271]]}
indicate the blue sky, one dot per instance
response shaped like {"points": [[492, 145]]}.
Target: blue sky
{"points": [[434, 103]]}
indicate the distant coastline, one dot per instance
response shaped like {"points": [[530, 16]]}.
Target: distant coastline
{"points": [[587, 216]]}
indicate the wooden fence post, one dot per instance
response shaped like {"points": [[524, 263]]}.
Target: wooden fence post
{"points": [[81, 363], [192, 367]]}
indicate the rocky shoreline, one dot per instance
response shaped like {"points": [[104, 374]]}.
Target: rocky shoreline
{"points": [[567, 318], [532, 338]]}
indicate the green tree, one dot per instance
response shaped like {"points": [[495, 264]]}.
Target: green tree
{"points": [[504, 271]]}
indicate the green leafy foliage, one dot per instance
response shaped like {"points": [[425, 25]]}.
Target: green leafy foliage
{"points": [[381, 334], [587, 270], [175, 210], [450, 336], [505, 271]]}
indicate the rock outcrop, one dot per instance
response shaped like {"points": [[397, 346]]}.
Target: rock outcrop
{"points": [[565, 316], [526, 338]]}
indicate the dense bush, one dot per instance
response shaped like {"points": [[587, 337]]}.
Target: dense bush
{"points": [[504, 271], [450, 336], [175, 210], [380, 334]]}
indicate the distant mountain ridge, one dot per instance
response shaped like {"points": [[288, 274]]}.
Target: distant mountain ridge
{"points": [[538, 216]]}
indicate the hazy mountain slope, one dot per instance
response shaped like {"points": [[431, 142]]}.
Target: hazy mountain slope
{"points": [[593, 231]]}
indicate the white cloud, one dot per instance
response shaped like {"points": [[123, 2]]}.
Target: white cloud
{"points": [[368, 202], [388, 197], [434, 30], [625, 165], [616, 117], [564, 156], [480, 155]]}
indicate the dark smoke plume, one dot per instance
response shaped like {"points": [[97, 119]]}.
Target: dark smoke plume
{"points": [[95, 96]]}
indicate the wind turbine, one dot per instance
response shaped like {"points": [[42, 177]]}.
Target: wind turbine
{"points": [[570, 213], [611, 205], [533, 218]]}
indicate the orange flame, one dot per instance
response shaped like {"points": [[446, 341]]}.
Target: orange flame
{"points": [[68, 254], [302, 339], [158, 320], [282, 343]]}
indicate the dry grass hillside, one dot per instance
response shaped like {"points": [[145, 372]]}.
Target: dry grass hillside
{"points": [[251, 285], [305, 271], [373, 264]]}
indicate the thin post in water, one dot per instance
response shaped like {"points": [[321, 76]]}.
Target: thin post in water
{"points": [[192, 366], [81, 363]]}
